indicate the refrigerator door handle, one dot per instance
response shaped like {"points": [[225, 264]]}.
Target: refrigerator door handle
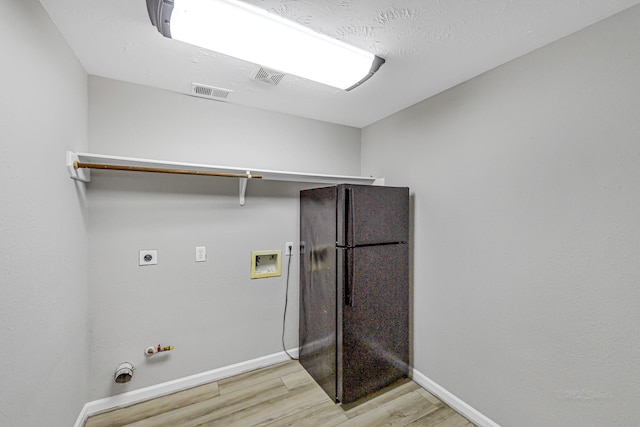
{"points": [[348, 288], [352, 218], [349, 232]]}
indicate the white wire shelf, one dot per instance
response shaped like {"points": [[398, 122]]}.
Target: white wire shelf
{"points": [[80, 164]]}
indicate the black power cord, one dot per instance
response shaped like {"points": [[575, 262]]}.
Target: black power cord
{"points": [[286, 302]]}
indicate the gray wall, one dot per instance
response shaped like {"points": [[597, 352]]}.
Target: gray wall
{"points": [[526, 243], [527, 240], [43, 243], [212, 312]]}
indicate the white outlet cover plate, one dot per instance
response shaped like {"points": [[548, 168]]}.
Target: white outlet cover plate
{"points": [[288, 252], [148, 257], [201, 253]]}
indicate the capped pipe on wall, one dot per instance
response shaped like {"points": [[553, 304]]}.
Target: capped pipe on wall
{"points": [[151, 350]]}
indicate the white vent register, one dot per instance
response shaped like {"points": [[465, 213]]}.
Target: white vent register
{"points": [[210, 92], [268, 76], [80, 164]]}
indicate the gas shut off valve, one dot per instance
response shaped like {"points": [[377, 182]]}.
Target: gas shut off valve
{"points": [[151, 350]]}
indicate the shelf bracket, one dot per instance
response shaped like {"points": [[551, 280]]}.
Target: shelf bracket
{"points": [[79, 174], [243, 187]]}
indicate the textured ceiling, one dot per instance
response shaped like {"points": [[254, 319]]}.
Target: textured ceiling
{"points": [[429, 46]]}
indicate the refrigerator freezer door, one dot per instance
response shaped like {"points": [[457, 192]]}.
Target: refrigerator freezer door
{"points": [[374, 323], [369, 215], [318, 302]]}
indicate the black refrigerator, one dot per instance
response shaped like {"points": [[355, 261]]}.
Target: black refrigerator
{"points": [[354, 288]]}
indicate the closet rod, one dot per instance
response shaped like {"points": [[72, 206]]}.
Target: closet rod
{"points": [[77, 165]]}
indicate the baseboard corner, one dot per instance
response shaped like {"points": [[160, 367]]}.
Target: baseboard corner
{"points": [[452, 400], [173, 386]]}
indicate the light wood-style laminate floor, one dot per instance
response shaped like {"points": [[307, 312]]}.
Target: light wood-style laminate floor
{"points": [[282, 395]]}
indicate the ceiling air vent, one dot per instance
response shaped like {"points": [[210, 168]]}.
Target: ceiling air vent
{"points": [[268, 76], [211, 92]]}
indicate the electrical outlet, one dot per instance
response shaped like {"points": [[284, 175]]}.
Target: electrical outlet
{"points": [[201, 253], [148, 257], [288, 248]]}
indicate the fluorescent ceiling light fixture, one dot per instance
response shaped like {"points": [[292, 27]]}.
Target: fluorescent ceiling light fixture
{"points": [[252, 34]]}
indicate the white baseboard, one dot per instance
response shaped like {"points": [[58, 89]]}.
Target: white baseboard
{"points": [[169, 387], [453, 401]]}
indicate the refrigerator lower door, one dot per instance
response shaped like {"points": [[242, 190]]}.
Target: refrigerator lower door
{"points": [[373, 328]]}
